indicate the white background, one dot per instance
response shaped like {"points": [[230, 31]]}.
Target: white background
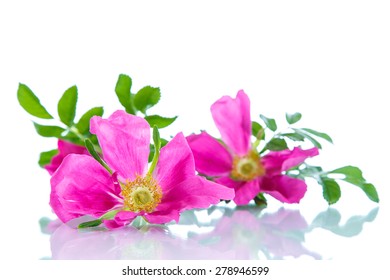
{"points": [[328, 60]]}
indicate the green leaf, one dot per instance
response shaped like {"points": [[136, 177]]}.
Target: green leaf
{"points": [[331, 190], [95, 155], [260, 200], [293, 118], [349, 172], [308, 137], [93, 223], [160, 122], [276, 144], [369, 190], [354, 176], [319, 134], [45, 157], [256, 129], [146, 98], [123, 92], [294, 136], [67, 106], [49, 131], [30, 102], [270, 123], [83, 124]]}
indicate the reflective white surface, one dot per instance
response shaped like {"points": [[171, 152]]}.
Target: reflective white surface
{"points": [[329, 61], [220, 232]]}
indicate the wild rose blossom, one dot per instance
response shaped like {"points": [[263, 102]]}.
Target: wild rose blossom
{"points": [[81, 186], [64, 148], [236, 164]]}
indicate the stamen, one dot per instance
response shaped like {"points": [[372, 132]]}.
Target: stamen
{"points": [[248, 167], [142, 194]]}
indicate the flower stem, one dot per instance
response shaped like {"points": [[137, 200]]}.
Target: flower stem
{"points": [[109, 215], [76, 132], [91, 149]]}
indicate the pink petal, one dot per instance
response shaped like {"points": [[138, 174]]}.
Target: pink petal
{"points": [[276, 162], [175, 164], [81, 186], [125, 140], [195, 192], [232, 118], [122, 218], [283, 188], [161, 217], [211, 157], [245, 191], [64, 148]]}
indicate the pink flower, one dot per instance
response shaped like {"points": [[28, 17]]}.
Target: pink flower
{"points": [[64, 148], [234, 163], [81, 186]]}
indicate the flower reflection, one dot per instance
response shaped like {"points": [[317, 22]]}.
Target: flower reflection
{"points": [[148, 242], [275, 235], [240, 233]]}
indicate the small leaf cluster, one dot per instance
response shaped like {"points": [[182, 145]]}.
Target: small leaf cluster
{"points": [[328, 180], [66, 128], [140, 102], [280, 140]]}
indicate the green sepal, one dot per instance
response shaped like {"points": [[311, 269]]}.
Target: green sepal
{"points": [[89, 224], [91, 149], [258, 130], [157, 147], [260, 200], [151, 154]]}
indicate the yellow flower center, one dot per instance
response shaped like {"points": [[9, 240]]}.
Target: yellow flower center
{"points": [[142, 194], [248, 167]]}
